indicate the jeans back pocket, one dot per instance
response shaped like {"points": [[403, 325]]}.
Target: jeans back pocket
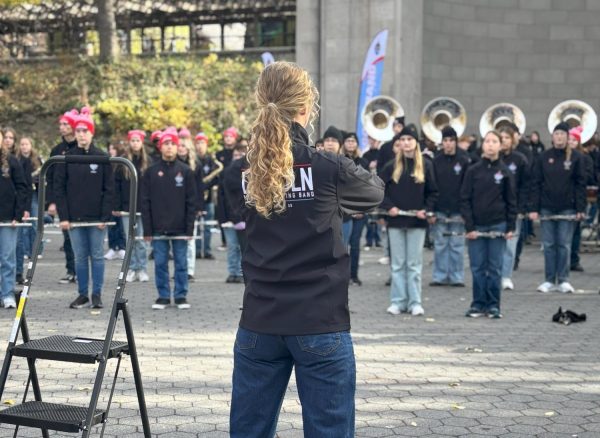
{"points": [[245, 339], [321, 345]]}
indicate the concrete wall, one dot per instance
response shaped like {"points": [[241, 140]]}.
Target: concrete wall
{"points": [[534, 53]]}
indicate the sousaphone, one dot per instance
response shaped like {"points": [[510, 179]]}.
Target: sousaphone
{"points": [[574, 113], [378, 117], [499, 115], [441, 112]]}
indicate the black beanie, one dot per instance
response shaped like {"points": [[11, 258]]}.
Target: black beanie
{"points": [[333, 132], [449, 131], [411, 130], [348, 135], [399, 120], [562, 126]]}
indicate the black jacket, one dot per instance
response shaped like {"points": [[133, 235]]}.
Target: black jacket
{"points": [[449, 174], [521, 171], [371, 155], [232, 189], [590, 169], [225, 156], [488, 195], [406, 194], [537, 149], [208, 165], [84, 192], [59, 149], [558, 184], [526, 151], [27, 167], [14, 192], [169, 199], [123, 184], [198, 175], [385, 155], [295, 264]]}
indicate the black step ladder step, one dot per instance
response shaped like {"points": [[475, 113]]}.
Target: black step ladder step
{"points": [[51, 416], [69, 349]]}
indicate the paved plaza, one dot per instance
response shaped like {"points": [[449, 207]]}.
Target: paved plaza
{"points": [[441, 375]]}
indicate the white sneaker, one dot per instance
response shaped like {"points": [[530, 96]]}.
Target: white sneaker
{"points": [[545, 287], [394, 309], [384, 261], [9, 302], [143, 276], [130, 276], [507, 284], [121, 254], [110, 254], [566, 288], [417, 310]]}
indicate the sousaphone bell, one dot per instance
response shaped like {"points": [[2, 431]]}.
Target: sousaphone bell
{"points": [[378, 117], [499, 115], [441, 112], [574, 113]]}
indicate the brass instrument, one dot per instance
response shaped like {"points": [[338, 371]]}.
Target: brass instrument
{"points": [[439, 113], [575, 113], [378, 117], [212, 175], [501, 114]]}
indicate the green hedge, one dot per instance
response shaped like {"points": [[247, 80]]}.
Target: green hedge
{"points": [[206, 94]]}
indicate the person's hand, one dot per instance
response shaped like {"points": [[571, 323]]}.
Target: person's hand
{"points": [[116, 213], [65, 225], [472, 235], [358, 216], [394, 211], [52, 209], [431, 219], [534, 216], [13, 223], [580, 216], [147, 238], [373, 164], [101, 226], [26, 215], [509, 235], [422, 214], [240, 226]]}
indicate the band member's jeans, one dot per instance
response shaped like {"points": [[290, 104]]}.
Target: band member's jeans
{"points": [[8, 243], [234, 253], [325, 376], [576, 244], [139, 257], [26, 236], [373, 233], [351, 233], [88, 245], [406, 259], [448, 261], [485, 257], [161, 267], [205, 242], [556, 238], [116, 236], [510, 252], [69, 256]]}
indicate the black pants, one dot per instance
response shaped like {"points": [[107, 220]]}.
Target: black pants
{"points": [[69, 256]]}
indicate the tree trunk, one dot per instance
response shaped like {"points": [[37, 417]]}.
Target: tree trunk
{"points": [[107, 30]]}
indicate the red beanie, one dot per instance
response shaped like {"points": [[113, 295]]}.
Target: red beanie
{"points": [[136, 132], [84, 120], [576, 132], [69, 117], [155, 135], [169, 134], [185, 133], [230, 131], [201, 136]]}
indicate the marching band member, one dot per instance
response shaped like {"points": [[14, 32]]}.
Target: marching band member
{"points": [[84, 192], [409, 185], [225, 155], [373, 228], [234, 195], [135, 153], [295, 310], [519, 168], [332, 140], [13, 204], [9, 140], [558, 189], [449, 166], [488, 204], [386, 151], [169, 206]]}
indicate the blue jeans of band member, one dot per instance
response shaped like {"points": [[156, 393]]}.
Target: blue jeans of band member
{"points": [[234, 253], [576, 244], [209, 207], [88, 244], [161, 267], [325, 376], [406, 259], [351, 233], [556, 238], [346, 232], [510, 252], [139, 256], [485, 256], [449, 251], [373, 233], [26, 236], [8, 243]]}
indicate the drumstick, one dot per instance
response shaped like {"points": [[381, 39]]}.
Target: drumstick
{"points": [[17, 224], [480, 234]]}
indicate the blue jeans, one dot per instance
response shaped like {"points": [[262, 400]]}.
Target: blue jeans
{"points": [[449, 251], [576, 244], [88, 243], [373, 233], [406, 257], [486, 257], [346, 231], [139, 257], [116, 236], [355, 235], [510, 252], [161, 267], [325, 376], [556, 238], [205, 242], [8, 243], [26, 236], [234, 253]]}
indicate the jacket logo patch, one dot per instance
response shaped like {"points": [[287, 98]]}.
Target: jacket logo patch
{"points": [[160, 173], [179, 180], [94, 168], [551, 160], [567, 165], [498, 177], [512, 167], [206, 169], [457, 168], [303, 186]]}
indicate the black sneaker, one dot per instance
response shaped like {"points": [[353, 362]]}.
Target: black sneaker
{"points": [[494, 314], [191, 278], [182, 303], [474, 313], [209, 257], [69, 278], [356, 281], [80, 301], [437, 283], [388, 281], [230, 279], [161, 304], [577, 268], [20, 280], [96, 302], [238, 279], [457, 285]]}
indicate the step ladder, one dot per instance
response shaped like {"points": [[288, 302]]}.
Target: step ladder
{"points": [[62, 417]]}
